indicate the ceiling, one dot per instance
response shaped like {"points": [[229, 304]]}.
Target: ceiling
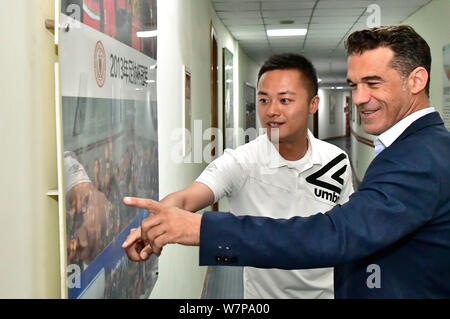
{"points": [[329, 22]]}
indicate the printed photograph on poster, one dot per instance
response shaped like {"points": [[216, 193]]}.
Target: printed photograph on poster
{"points": [[110, 125], [80, 117], [132, 22], [250, 109], [187, 111], [446, 86], [100, 169], [228, 116]]}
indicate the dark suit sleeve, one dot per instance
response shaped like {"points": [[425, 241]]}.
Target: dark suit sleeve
{"points": [[395, 199]]}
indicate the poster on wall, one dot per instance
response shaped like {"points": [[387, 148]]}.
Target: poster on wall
{"points": [[333, 101], [228, 117], [187, 112], [250, 109], [446, 86], [109, 118]]}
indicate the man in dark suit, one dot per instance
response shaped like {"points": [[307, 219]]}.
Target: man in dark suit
{"points": [[392, 238]]}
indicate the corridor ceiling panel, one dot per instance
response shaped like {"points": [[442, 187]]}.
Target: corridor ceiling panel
{"points": [[328, 22]]}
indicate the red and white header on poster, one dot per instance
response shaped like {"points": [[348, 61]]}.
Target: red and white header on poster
{"points": [[97, 66]]}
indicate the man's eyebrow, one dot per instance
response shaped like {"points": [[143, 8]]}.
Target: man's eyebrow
{"points": [[372, 78], [367, 79], [279, 93], [287, 92]]}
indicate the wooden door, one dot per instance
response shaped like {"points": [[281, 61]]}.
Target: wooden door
{"points": [[214, 96]]}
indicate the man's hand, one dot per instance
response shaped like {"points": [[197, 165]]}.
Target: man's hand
{"points": [[135, 248], [166, 224]]}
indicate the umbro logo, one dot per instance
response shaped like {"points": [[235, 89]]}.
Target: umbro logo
{"points": [[334, 191], [332, 197]]}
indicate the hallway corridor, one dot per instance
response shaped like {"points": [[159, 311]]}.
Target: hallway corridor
{"points": [[344, 143]]}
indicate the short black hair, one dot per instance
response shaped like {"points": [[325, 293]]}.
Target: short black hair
{"points": [[410, 49], [292, 61]]}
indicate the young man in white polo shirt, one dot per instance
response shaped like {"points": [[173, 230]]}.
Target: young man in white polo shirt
{"points": [[288, 173]]}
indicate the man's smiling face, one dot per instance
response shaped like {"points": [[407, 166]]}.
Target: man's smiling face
{"points": [[379, 91]]}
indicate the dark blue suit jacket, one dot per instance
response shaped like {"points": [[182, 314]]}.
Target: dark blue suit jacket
{"points": [[390, 240]]}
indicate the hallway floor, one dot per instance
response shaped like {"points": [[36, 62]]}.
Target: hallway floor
{"points": [[223, 282]]}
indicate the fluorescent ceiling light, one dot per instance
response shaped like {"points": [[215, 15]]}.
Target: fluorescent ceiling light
{"points": [[286, 32], [147, 34]]}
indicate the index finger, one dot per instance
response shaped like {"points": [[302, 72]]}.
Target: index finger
{"points": [[148, 204], [133, 237]]}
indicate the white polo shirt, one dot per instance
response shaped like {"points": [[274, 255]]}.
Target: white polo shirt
{"points": [[259, 182]]}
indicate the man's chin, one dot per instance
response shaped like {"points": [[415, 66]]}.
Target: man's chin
{"points": [[370, 129]]}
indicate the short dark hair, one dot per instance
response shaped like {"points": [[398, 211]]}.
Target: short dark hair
{"points": [[292, 61], [410, 49]]}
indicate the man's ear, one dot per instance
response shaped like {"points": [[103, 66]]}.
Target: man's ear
{"points": [[418, 80], [314, 104]]}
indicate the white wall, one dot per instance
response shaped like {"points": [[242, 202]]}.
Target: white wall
{"points": [[184, 38], [29, 252], [327, 130], [180, 41], [432, 23], [248, 73]]}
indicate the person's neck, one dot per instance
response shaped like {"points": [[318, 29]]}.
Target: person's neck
{"points": [[418, 103], [293, 151]]}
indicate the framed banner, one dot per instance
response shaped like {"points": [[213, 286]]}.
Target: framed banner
{"points": [[109, 124], [187, 111], [250, 108], [228, 82], [446, 86]]}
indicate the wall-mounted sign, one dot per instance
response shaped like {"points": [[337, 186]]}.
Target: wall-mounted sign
{"points": [[250, 109], [228, 105], [187, 112], [109, 115], [446, 86]]}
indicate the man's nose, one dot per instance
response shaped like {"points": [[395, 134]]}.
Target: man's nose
{"points": [[274, 108], [360, 95]]}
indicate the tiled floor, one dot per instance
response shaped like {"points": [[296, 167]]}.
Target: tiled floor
{"points": [[341, 142], [227, 282], [224, 283]]}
